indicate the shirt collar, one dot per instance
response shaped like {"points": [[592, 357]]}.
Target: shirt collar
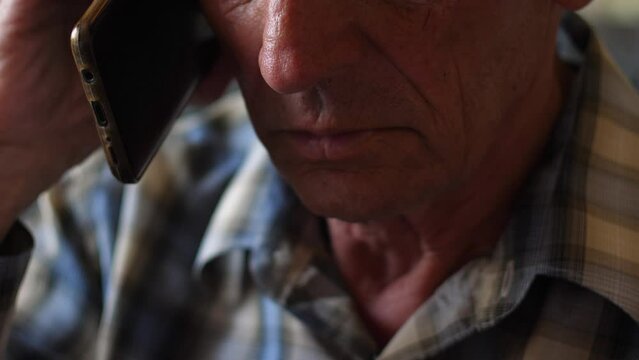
{"points": [[289, 260], [248, 212]]}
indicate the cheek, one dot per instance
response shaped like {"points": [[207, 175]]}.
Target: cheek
{"points": [[468, 69], [423, 50]]}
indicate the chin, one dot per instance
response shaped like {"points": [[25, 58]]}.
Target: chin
{"points": [[348, 209], [358, 197]]}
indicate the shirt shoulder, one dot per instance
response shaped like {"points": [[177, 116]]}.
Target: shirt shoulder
{"points": [[93, 234], [558, 319], [603, 199]]}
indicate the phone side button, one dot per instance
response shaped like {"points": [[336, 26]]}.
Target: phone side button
{"points": [[98, 111]]}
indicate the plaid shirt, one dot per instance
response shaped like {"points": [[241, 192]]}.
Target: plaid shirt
{"points": [[212, 257]]}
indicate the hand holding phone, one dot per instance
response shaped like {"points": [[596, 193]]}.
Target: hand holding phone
{"points": [[45, 122]]}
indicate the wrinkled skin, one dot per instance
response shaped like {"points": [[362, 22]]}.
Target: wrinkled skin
{"points": [[434, 82]]}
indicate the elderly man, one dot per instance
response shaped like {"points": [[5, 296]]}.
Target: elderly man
{"points": [[445, 179]]}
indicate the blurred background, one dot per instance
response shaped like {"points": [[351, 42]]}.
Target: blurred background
{"points": [[617, 23]]}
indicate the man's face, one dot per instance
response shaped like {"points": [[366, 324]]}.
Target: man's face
{"points": [[371, 108]]}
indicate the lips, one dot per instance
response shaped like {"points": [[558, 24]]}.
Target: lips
{"points": [[331, 145]]}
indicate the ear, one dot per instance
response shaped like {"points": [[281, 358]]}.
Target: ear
{"points": [[573, 4]]}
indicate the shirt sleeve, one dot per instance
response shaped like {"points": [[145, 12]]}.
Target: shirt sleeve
{"points": [[15, 252]]}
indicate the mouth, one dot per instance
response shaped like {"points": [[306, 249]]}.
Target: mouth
{"points": [[332, 145]]}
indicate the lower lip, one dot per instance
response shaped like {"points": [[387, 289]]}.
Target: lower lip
{"points": [[329, 147]]}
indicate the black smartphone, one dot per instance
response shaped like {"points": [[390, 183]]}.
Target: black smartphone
{"points": [[139, 61]]}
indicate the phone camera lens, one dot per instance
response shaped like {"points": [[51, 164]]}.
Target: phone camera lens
{"points": [[88, 76]]}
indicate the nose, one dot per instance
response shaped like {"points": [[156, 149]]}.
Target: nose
{"points": [[307, 41]]}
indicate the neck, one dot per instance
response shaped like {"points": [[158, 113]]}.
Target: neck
{"points": [[392, 266]]}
